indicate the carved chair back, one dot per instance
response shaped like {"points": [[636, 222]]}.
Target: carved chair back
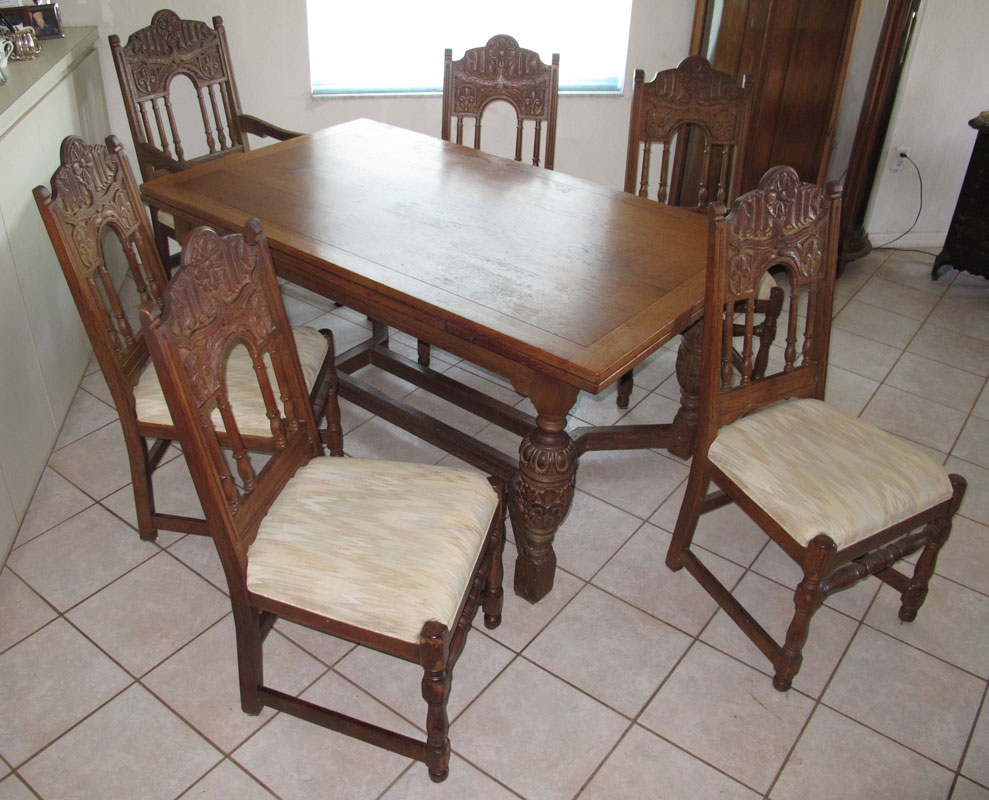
{"points": [[783, 223], [226, 294], [691, 113], [501, 70], [149, 65], [94, 195]]}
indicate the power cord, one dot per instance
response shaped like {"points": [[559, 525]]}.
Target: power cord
{"points": [[920, 180]]}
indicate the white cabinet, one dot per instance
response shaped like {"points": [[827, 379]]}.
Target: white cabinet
{"points": [[43, 346]]}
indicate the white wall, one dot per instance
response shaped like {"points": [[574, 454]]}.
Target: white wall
{"points": [[945, 84], [271, 58]]}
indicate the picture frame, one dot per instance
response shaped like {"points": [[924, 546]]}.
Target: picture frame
{"points": [[44, 18]]}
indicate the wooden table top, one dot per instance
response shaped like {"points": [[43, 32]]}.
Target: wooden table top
{"points": [[550, 272]]}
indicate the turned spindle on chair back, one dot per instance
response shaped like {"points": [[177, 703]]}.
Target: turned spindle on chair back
{"points": [[691, 103], [501, 70], [149, 68], [783, 223]]}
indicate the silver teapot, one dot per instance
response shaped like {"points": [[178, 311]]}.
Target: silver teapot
{"points": [[26, 45]]}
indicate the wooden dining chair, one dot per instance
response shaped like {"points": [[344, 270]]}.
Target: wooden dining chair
{"points": [[392, 556], [93, 196], [842, 498], [500, 71], [695, 119], [173, 132]]}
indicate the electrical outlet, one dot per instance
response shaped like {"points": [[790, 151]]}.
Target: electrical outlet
{"points": [[898, 158]]}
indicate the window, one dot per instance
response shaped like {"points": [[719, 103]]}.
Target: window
{"points": [[395, 46]]}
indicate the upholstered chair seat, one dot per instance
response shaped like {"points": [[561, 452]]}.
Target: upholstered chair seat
{"points": [[380, 545], [241, 384], [816, 469]]}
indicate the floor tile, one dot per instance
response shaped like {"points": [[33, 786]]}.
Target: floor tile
{"points": [[727, 531], [976, 764], [591, 534], [522, 620], [225, 782], [150, 612], [382, 440], [512, 732], [54, 501], [945, 626], [968, 315], [464, 781], [44, 696], [289, 289], [12, 788], [643, 765], [95, 384], [848, 391], [861, 355], [975, 504], [638, 574], [23, 610], [728, 715], [656, 368], [914, 418], [772, 606], [963, 559], [944, 384], [163, 754], [199, 554], [837, 757], [597, 631], [77, 558], [967, 790], [949, 347], [907, 695], [913, 270], [897, 297], [298, 311], [174, 494], [875, 323], [301, 761], [322, 646], [981, 408], [637, 481], [96, 463], [86, 414], [200, 682], [652, 409], [973, 443], [397, 683]]}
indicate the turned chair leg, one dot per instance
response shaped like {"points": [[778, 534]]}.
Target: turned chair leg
{"points": [[492, 596], [434, 655], [914, 595], [807, 598]]}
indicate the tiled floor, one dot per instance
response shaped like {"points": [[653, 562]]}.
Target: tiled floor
{"points": [[117, 670]]}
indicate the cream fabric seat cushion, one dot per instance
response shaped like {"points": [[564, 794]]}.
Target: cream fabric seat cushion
{"points": [[242, 386], [381, 545], [816, 469]]}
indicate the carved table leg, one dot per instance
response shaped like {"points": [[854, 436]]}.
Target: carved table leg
{"points": [[689, 376], [542, 490]]}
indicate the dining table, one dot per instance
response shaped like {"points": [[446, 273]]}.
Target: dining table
{"points": [[557, 284]]}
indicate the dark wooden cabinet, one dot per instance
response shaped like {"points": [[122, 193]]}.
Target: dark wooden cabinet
{"points": [[966, 246], [796, 52]]}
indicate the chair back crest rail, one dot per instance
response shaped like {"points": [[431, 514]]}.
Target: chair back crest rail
{"points": [[225, 295], [93, 192], [689, 104], [154, 57], [783, 223], [502, 71]]}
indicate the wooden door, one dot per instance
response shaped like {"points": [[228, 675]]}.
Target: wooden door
{"points": [[796, 51]]}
